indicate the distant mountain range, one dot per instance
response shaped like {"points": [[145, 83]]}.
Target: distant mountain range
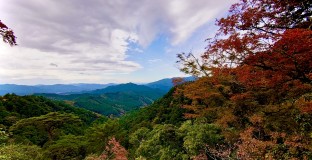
{"points": [[115, 100], [166, 84], [56, 88], [163, 84], [106, 99]]}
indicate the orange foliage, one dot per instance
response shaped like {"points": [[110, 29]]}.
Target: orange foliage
{"points": [[272, 147], [205, 97], [177, 81], [251, 148], [113, 151], [201, 156], [304, 104], [226, 118]]}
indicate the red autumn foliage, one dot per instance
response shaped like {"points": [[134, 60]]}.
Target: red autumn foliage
{"points": [[253, 26], [260, 79], [289, 59], [7, 34], [113, 151], [267, 43]]}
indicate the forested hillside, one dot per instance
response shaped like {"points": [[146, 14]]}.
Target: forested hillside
{"points": [[14, 108], [29, 123], [175, 127]]}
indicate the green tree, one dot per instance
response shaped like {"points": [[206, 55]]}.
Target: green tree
{"points": [[170, 142], [162, 142], [20, 152], [50, 123], [67, 147], [97, 136], [199, 136]]}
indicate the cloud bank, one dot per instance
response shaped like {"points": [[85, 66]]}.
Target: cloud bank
{"points": [[80, 39]]}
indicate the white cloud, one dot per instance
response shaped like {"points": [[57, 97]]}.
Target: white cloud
{"points": [[88, 39], [25, 63], [189, 16], [154, 60]]}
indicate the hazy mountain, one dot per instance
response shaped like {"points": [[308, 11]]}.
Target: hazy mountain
{"points": [[130, 88], [166, 84], [19, 89], [56, 88], [93, 86]]}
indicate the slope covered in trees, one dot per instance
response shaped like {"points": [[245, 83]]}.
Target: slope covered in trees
{"points": [[30, 123], [44, 129], [176, 127], [14, 108]]}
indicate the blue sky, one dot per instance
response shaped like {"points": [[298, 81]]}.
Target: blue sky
{"points": [[78, 41]]}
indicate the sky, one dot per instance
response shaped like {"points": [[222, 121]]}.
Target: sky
{"points": [[103, 41]]}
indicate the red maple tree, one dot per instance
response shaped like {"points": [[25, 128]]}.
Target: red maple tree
{"points": [[253, 26], [7, 34]]}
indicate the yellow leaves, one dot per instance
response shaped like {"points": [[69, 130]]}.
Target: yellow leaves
{"points": [[304, 103], [207, 95], [226, 118], [252, 148], [256, 119]]}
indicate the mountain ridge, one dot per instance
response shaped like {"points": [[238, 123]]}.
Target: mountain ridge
{"points": [[162, 84], [112, 100]]}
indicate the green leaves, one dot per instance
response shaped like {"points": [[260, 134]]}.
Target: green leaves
{"points": [[20, 152], [170, 142], [199, 135], [98, 135], [49, 124], [67, 147]]}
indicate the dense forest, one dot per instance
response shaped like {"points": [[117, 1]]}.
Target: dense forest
{"points": [[252, 100]]}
